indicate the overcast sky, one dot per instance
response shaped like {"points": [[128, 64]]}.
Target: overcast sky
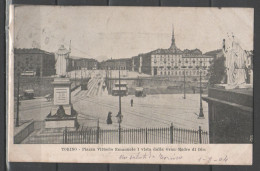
{"points": [[120, 32]]}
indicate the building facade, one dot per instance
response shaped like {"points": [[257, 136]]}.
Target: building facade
{"points": [[115, 64], [172, 62], [40, 62], [86, 63]]}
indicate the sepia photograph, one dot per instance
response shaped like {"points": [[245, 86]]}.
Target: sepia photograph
{"points": [[130, 75]]}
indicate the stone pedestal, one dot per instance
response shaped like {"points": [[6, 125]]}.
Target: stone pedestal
{"points": [[62, 113]]}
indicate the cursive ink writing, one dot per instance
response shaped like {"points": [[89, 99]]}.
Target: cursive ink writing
{"points": [[171, 157], [149, 155]]}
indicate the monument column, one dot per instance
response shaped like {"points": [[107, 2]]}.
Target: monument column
{"points": [[62, 113]]}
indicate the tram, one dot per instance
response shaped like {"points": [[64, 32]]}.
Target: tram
{"points": [[123, 90], [139, 92], [84, 84]]}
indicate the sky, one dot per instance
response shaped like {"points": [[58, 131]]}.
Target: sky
{"points": [[123, 32]]}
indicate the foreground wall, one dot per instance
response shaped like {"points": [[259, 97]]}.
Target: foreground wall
{"points": [[230, 115]]}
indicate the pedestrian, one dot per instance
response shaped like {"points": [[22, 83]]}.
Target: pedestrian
{"points": [[109, 116], [193, 88], [132, 102]]}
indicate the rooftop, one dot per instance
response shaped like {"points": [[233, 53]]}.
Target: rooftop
{"points": [[31, 51]]}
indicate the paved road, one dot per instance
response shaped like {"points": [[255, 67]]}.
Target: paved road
{"points": [[36, 109], [150, 111]]}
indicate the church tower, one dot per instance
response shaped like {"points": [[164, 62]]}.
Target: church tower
{"points": [[173, 45]]}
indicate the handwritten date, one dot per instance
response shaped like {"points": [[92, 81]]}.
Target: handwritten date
{"points": [[212, 160]]}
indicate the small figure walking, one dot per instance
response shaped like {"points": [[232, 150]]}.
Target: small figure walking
{"points": [[193, 89], [109, 116], [132, 102]]}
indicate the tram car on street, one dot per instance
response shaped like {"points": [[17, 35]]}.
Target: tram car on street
{"points": [[139, 92], [84, 84], [122, 90]]}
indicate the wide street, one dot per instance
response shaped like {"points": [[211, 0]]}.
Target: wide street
{"points": [[151, 111]]}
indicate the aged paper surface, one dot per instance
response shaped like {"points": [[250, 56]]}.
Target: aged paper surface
{"points": [[130, 85]]}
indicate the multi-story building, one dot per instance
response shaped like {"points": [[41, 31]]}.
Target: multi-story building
{"points": [[114, 64], [172, 62], [80, 63], [34, 60]]}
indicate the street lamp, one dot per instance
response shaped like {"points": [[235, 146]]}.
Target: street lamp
{"points": [[119, 92], [119, 116], [201, 115]]}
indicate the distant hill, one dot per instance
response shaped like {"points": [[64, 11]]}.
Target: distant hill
{"points": [[215, 53]]}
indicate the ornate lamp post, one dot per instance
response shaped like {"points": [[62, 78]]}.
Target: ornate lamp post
{"points": [[201, 114], [119, 120], [119, 116]]}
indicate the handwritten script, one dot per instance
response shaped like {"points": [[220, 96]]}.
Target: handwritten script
{"points": [[149, 155], [169, 157]]}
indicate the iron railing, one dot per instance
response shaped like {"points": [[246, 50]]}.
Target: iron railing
{"points": [[165, 135]]}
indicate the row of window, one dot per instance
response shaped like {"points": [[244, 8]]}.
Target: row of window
{"points": [[179, 57], [181, 73], [47, 63], [207, 60], [116, 68], [181, 64], [180, 67]]}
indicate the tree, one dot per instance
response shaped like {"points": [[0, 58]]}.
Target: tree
{"points": [[217, 71]]}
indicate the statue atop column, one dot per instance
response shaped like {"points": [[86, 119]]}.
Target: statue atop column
{"points": [[61, 58]]}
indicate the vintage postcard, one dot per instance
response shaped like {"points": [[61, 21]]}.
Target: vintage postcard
{"points": [[155, 85]]}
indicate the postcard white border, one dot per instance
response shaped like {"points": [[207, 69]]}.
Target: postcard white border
{"points": [[214, 154]]}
